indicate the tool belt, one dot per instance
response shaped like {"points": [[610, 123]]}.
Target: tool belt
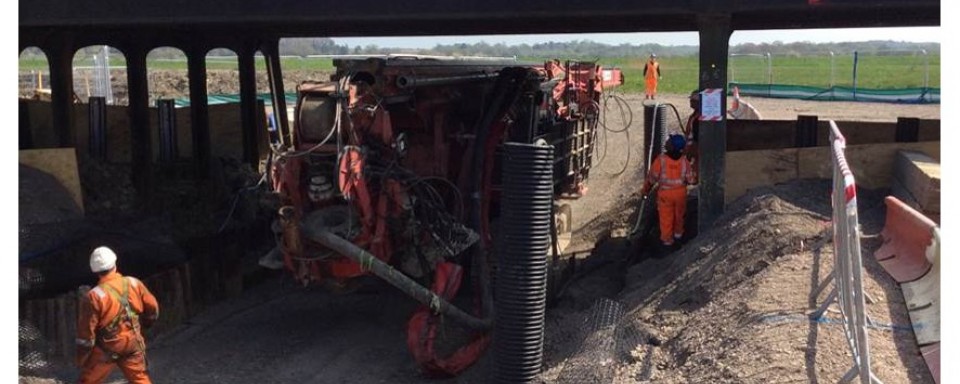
{"points": [[111, 339]]}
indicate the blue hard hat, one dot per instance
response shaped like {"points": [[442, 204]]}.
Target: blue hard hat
{"points": [[677, 142]]}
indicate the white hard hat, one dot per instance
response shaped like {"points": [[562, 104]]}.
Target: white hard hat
{"points": [[102, 259]]}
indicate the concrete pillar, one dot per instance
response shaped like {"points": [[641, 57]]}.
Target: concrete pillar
{"points": [[26, 134], [61, 87], [248, 106], [199, 111], [141, 149], [714, 48], [271, 52]]}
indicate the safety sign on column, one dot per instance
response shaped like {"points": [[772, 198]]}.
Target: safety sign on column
{"points": [[710, 102]]}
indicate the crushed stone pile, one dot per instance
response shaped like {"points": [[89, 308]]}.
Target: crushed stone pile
{"points": [[731, 305]]}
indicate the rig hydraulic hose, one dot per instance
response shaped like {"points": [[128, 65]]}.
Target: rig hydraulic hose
{"points": [[396, 278]]}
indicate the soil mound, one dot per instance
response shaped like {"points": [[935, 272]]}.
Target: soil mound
{"points": [[731, 305]]}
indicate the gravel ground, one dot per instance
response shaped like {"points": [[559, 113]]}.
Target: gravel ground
{"points": [[731, 305]]}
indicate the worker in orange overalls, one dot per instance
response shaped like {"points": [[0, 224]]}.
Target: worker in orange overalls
{"points": [[651, 72], [672, 173], [108, 328]]}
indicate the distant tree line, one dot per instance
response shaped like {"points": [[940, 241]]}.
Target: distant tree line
{"points": [[590, 49], [573, 49]]}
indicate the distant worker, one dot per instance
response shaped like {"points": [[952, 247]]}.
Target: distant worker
{"points": [[108, 328], [651, 72], [671, 172]]}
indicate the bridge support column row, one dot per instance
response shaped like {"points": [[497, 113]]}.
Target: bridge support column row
{"points": [[714, 46]]}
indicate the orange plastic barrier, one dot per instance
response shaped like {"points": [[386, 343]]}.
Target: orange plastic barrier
{"points": [[906, 234], [923, 298], [931, 354], [911, 255]]}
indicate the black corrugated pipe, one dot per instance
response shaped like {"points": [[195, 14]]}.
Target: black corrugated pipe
{"points": [[654, 131], [526, 209]]}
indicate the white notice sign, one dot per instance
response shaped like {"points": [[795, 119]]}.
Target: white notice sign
{"points": [[710, 104]]}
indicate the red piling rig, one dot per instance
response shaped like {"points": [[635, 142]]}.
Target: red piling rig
{"points": [[388, 132]]}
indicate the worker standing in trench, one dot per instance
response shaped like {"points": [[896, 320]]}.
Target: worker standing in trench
{"points": [[651, 73], [108, 327], [671, 172]]}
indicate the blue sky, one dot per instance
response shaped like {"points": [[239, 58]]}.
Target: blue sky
{"points": [[913, 34]]}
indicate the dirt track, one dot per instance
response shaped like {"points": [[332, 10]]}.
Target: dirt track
{"points": [[282, 333]]}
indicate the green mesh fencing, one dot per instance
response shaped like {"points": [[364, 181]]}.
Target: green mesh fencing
{"points": [[291, 99], [783, 91], [839, 93]]}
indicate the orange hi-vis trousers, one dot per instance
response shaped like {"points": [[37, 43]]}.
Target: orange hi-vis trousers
{"points": [[99, 365], [651, 86], [671, 206]]}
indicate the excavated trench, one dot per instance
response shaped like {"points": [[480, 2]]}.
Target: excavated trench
{"points": [[161, 241]]}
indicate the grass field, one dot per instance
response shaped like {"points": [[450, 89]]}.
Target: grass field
{"points": [[884, 72], [679, 73]]}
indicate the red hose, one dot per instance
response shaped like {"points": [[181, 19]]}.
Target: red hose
{"points": [[422, 331]]}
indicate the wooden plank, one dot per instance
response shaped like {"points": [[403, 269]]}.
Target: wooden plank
{"points": [[50, 329], [71, 320], [859, 132], [230, 265], [900, 192], [176, 303], [929, 130], [41, 124], [66, 342], [920, 175], [749, 135], [750, 169], [872, 164], [40, 319], [188, 290], [61, 163], [26, 310]]}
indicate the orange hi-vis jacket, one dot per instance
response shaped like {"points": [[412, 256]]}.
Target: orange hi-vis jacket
{"points": [[673, 176], [106, 323], [651, 71]]}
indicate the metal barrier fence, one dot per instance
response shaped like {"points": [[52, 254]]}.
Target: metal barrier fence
{"points": [[847, 273]]}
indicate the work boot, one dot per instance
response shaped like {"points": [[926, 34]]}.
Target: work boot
{"points": [[663, 250]]}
